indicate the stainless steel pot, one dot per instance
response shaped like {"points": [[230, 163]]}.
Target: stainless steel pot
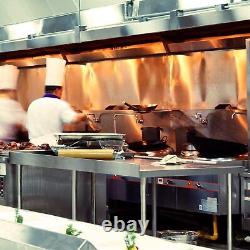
{"points": [[151, 134]]}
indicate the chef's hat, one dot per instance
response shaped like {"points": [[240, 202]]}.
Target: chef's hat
{"points": [[55, 69], [8, 76]]}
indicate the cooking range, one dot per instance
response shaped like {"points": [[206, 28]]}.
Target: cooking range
{"points": [[180, 132]]}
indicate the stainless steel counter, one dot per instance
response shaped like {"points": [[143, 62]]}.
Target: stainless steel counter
{"points": [[3, 158], [22, 237], [134, 168], [140, 168]]}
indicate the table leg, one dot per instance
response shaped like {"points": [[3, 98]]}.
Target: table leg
{"points": [[73, 190], [19, 178], [154, 206], [143, 200], [229, 211], [93, 197]]}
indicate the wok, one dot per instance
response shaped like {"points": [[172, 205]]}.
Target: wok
{"points": [[213, 148], [142, 108], [143, 146]]}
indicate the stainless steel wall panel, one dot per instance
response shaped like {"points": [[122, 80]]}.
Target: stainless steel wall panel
{"points": [[199, 80], [83, 204], [101, 199], [174, 82], [46, 191], [49, 191]]}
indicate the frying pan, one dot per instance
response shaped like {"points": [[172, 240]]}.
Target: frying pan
{"points": [[142, 108]]}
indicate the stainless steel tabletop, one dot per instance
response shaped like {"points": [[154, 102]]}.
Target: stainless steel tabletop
{"points": [[134, 167], [245, 174], [3, 158]]}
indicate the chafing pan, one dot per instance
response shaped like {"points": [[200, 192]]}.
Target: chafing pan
{"points": [[89, 136]]}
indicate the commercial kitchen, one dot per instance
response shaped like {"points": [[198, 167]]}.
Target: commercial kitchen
{"points": [[165, 89]]}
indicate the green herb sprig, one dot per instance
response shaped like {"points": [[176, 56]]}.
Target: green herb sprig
{"points": [[70, 230], [18, 217], [129, 239]]}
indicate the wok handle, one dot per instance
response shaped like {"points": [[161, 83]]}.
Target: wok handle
{"points": [[131, 106]]}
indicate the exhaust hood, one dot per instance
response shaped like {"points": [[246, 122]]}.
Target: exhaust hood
{"points": [[117, 31]]}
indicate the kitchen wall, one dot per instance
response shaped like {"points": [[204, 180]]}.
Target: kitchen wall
{"points": [[200, 80]]}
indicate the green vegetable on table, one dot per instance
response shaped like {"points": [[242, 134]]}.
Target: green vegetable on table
{"points": [[18, 217], [70, 230]]}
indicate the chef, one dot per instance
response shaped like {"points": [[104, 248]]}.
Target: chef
{"points": [[47, 115], [12, 115]]}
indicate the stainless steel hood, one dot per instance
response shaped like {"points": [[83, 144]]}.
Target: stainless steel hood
{"points": [[121, 31]]}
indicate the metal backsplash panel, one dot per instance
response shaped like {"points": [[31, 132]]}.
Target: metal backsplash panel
{"points": [[195, 81], [199, 80]]}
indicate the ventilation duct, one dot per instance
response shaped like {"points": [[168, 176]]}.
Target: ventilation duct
{"points": [[118, 31]]}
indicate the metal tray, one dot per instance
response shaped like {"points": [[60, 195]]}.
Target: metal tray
{"points": [[89, 136]]}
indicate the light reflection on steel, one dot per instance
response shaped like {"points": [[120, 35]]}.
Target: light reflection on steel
{"points": [[199, 80]]}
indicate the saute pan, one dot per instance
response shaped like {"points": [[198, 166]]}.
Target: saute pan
{"points": [[142, 108]]}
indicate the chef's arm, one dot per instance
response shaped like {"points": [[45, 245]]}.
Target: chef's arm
{"points": [[79, 117]]}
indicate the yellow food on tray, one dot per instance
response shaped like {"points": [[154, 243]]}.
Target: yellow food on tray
{"points": [[101, 154]]}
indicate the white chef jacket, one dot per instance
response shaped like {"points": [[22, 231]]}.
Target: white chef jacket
{"points": [[11, 114], [46, 116]]}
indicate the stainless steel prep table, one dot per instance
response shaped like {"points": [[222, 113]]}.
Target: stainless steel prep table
{"points": [[140, 168]]}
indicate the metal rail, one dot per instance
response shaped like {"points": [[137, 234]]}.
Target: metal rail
{"points": [[73, 190], [229, 212]]}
